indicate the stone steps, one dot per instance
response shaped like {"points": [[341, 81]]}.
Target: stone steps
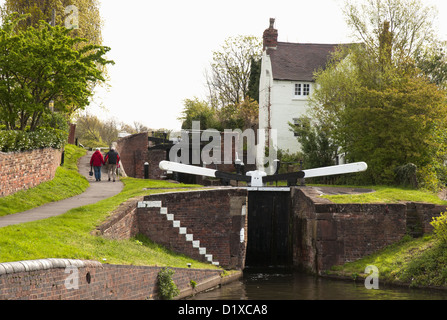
{"points": [[176, 224]]}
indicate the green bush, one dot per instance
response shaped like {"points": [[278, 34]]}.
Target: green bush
{"points": [[11, 141], [167, 288], [440, 227]]}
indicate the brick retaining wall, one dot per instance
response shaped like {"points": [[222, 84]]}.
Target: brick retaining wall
{"points": [[64, 279], [24, 170], [328, 234], [213, 217]]}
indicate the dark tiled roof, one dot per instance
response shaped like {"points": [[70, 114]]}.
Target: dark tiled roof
{"points": [[299, 61]]}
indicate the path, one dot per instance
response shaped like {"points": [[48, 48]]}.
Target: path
{"points": [[97, 191]]}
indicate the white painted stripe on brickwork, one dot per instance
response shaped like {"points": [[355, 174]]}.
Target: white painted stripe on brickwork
{"points": [[182, 230]]}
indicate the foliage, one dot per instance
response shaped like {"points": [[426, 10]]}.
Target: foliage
{"points": [[43, 64], [199, 110], [318, 148], [410, 23], [229, 77], [433, 62], [377, 105], [242, 116], [406, 175], [11, 141], [255, 75], [289, 162], [92, 132], [166, 286], [440, 227], [89, 19]]}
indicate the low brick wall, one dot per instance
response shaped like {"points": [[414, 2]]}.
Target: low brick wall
{"points": [[328, 234], [215, 217], [64, 279], [24, 170]]}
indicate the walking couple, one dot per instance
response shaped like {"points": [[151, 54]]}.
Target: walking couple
{"points": [[112, 160]]}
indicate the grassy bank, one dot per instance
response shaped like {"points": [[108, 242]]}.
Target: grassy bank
{"points": [[68, 236], [386, 194], [411, 262], [66, 183]]}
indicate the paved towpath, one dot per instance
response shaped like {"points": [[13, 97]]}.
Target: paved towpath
{"points": [[97, 191]]}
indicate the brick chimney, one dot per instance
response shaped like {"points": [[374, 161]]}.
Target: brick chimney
{"points": [[270, 37]]}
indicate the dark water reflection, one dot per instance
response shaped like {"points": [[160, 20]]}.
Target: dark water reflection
{"points": [[283, 284]]}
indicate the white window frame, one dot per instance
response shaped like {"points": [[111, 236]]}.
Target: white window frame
{"points": [[302, 90]]}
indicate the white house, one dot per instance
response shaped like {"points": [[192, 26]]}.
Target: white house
{"points": [[286, 83]]}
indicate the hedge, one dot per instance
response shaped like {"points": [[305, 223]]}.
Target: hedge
{"points": [[11, 141]]}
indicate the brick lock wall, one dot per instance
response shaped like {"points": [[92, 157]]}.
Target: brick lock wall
{"points": [[134, 153], [130, 149], [24, 170], [328, 234], [214, 217]]}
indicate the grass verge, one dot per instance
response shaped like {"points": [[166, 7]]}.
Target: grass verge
{"points": [[66, 183], [68, 236], [411, 262], [386, 194]]}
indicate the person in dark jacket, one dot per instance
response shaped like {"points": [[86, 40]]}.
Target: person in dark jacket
{"points": [[96, 161], [112, 160]]}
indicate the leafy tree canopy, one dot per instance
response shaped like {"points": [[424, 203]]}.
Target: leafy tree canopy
{"points": [[43, 64]]}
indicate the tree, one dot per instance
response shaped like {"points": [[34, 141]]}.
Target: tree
{"points": [[410, 22], [199, 110], [41, 65], [255, 75], [89, 18], [229, 77], [379, 106], [88, 131], [317, 147], [241, 116]]}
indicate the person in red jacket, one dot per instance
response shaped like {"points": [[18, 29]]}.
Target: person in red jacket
{"points": [[96, 161]]}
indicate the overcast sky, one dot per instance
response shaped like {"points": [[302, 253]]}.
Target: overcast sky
{"points": [[162, 48]]}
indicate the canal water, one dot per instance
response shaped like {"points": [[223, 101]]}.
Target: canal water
{"points": [[287, 284]]}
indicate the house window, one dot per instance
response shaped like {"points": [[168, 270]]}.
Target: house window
{"points": [[297, 124], [306, 89], [297, 89], [302, 89]]}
